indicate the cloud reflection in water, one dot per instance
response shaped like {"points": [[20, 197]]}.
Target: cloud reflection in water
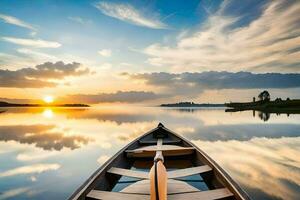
{"points": [[264, 153]]}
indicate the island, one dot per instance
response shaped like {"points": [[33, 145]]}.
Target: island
{"points": [[265, 104], [7, 104], [192, 104]]}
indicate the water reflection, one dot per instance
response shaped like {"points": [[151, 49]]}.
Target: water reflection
{"points": [[43, 136], [269, 166], [32, 169], [42, 149], [48, 113], [265, 114]]}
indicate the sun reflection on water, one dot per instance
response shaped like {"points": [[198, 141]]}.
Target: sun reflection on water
{"points": [[48, 113]]}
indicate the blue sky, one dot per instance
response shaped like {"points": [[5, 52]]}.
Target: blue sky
{"points": [[137, 37], [83, 29]]}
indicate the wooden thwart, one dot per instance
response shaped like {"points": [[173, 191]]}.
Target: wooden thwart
{"points": [[166, 141], [189, 171], [174, 187], [167, 150], [104, 195], [129, 173], [171, 174], [205, 195]]}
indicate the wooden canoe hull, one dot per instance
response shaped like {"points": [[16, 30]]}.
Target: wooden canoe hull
{"points": [[216, 179]]}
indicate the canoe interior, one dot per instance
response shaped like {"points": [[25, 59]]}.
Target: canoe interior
{"points": [[216, 178]]}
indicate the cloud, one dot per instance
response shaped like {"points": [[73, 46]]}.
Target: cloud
{"points": [[120, 96], [37, 43], [80, 20], [43, 75], [37, 154], [43, 136], [36, 54], [105, 52], [31, 169], [127, 13], [13, 192], [15, 21], [198, 81], [269, 42], [20, 60]]}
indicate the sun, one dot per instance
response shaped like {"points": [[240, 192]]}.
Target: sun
{"points": [[48, 99]]}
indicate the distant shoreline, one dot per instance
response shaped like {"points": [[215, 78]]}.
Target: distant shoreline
{"points": [[192, 105], [6, 104], [279, 104]]}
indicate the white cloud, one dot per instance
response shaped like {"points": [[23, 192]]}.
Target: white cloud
{"points": [[105, 52], [32, 42], [15, 21], [33, 33], [13, 192], [33, 178], [31, 169], [80, 20], [36, 54], [127, 13], [25, 57], [37, 154], [268, 43]]}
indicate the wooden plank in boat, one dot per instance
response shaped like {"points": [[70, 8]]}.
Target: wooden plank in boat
{"points": [[129, 173], [178, 163], [150, 140], [171, 174], [189, 171], [159, 147], [174, 187], [168, 150], [204, 195], [105, 195]]}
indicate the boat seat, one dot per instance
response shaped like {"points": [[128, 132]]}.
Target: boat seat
{"points": [[166, 141], [203, 195], [168, 150], [188, 171], [105, 195], [174, 187], [200, 195], [171, 174], [129, 173]]}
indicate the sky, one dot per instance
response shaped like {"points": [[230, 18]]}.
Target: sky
{"points": [[148, 52]]}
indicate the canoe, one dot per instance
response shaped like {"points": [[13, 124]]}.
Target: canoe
{"points": [[160, 165]]}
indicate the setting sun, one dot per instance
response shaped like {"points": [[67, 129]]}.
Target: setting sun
{"points": [[48, 99]]}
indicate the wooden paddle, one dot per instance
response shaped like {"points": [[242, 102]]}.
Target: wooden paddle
{"points": [[158, 177]]}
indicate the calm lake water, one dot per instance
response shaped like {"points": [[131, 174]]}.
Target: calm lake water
{"points": [[47, 153]]}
